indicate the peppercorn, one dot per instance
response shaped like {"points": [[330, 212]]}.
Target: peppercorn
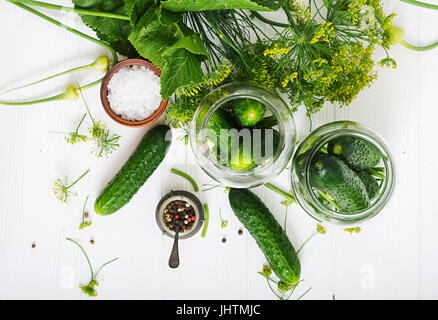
{"points": [[224, 240], [240, 232]]}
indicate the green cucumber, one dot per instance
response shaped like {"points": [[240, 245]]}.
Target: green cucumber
{"points": [[135, 172], [220, 119], [370, 183], [330, 174], [247, 112], [247, 158], [267, 232], [356, 152]]}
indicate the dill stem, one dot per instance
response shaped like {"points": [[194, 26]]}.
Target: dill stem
{"points": [[280, 192], [101, 267], [268, 21], [204, 230], [79, 125], [186, 176], [375, 173], [421, 4], [83, 175], [83, 209], [419, 48], [76, 10], [307, 240], [85, 254], [85, 103]]}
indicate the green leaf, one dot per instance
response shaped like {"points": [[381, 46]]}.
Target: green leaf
{"points": [[116, 29], [167, 17], [113, 31], [182, 68], [192, 43], [201, 5], [152, 39], [136, 8]]}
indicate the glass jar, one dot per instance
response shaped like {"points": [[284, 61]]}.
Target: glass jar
{"points": [[309, 198], [272, 165]]}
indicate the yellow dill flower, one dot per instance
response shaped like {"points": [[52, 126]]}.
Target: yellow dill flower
{"points": [[276, 52], [289, 79], [325, 32]]}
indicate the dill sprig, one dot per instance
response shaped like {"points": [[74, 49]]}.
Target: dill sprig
{"points": [[224, 223], [63, 190], [105, 143], [84, 223], [90, 288], [74, 136]]}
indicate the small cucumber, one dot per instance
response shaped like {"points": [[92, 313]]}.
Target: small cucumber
{"points": [[268, 234], [330, 174], [247, 157], [247, 112], [355, 152], [220, 119], [370, 183], [136, 171]]}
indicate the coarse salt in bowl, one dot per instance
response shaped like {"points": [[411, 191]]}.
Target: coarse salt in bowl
{"points": [[134, 93], [130, 93]]}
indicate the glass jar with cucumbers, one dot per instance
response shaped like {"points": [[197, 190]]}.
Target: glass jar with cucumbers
{"points": [[242, 135], [343, 173]]}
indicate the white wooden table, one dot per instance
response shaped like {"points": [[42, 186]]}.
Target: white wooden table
{"points": [[394, 256]]}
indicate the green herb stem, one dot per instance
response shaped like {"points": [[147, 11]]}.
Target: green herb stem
{"points": [[376, 173], [280, 192], [80, 123], [329, 199], [48, 78], [417, 48], [83, 209], [204, 230], [421, 4], [76, 10], [58, 97], [85, 254], [77, 180], [307, 240], [101, 267], [186, 176], [267, 21], [65, 27]]}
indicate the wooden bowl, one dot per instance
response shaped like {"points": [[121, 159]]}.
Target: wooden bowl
{"points": [[104, 93]]}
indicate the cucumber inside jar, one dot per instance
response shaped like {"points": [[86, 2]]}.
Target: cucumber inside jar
{"points": [[242, 133], [346, 174]]}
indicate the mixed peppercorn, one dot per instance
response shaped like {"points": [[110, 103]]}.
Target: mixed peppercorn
{"points": [[179, 214]]}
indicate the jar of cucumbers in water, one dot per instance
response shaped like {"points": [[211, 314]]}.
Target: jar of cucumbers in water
{"points": [[242, 135], [343, 173]]}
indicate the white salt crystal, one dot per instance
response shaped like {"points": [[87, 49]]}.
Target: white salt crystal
{"points": [[134, 93]]}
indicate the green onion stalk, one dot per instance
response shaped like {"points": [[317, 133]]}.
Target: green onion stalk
{"points": [[421, 4], [71, 92], [397, 34]]}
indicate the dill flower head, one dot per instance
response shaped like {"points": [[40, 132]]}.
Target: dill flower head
{"points": [[283, 287], [62, 190], [90, 289], [74, 137], [266, 271], [84, 225], [105, 144]]}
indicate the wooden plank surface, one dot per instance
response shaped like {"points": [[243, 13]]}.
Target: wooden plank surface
{"points": [[395, 255]]}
